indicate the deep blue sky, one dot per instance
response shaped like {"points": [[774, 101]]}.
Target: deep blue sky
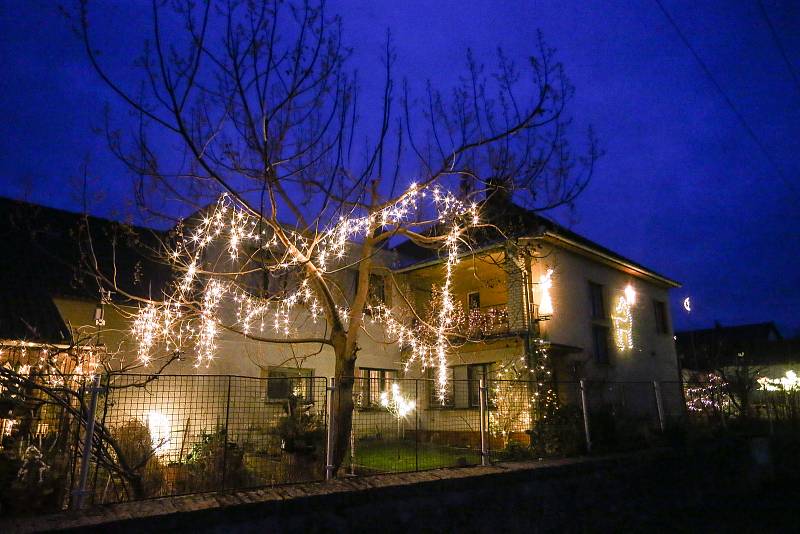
{"points": [[682, 188]]}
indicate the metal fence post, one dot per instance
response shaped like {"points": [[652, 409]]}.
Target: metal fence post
{"points": [[80, 493], [659, 405], [484, 452], [585, 409], [329, 442], [416, 424], [225, 435]]}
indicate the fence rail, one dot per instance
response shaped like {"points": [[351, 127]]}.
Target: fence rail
{"points": [[175, 434]]}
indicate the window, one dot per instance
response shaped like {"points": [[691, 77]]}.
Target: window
{"points": [[596, 296], [284, 382], [476, 373], [373, 382], [275, 283], [377, 290], [600, 343], [433, 394], [473, 301], [660, 309]]}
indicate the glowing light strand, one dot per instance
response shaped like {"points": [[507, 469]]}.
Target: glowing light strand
{"points": [[173, 324]]}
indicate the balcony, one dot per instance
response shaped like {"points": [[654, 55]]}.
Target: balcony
{"points": [[486, 321]]}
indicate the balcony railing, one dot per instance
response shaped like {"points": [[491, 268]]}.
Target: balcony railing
{"points": [[486, 321]]}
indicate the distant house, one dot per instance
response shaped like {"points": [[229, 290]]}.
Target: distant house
{"points": [[759, 346]]}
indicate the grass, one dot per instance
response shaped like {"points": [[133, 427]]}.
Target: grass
{"points": [[399, 456]]}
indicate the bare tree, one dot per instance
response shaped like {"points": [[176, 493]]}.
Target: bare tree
{"points": [[255, 101]]}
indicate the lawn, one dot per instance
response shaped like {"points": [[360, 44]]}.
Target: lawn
{"points": [[377, 456]]}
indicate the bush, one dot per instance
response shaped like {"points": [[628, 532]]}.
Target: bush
{"points": [[515, 451], [300, 430], [211, 459], [559, 435], [136, 448]]}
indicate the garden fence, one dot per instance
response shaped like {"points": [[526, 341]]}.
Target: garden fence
{"points": [[176, 434]]}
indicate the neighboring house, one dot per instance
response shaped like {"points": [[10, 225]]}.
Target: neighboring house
{"points": [[605, 317], [758, 346], [50, 297]]}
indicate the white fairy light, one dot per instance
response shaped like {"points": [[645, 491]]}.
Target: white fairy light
{"points": [[206, 343], [145, 329], [789, 382], [396, 403], [623, 324], [189, 314]]}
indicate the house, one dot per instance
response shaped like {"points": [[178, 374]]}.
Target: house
{"points": [[760, 347], [600, 317], [51, 297], [605, 317]]}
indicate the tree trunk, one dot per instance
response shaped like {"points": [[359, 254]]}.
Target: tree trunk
{"points": [[342, 405]]}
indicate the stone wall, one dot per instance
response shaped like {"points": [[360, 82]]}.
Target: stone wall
{"points": [[562, 495]]}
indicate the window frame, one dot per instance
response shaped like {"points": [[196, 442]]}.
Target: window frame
{"points": [[474, 395], [470, 307], [377, 290], [606, 331], [365, 385], [661, 317], [597, 290], [292, 375]]}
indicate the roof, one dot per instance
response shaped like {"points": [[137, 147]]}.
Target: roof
{"points": [[753, 343], [27, 313], [45, 256], [51, 248], [517, 222]]}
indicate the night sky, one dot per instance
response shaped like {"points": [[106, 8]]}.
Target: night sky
{"points": [[683, 188]]}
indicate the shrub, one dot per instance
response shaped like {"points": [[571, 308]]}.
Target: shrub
{"points": [[212, 458], [300, 430], [136, 449], [559, 435]]}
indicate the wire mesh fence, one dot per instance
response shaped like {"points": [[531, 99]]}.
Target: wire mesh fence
{"points": [[176, 434], [188, 434], [403, 425]]}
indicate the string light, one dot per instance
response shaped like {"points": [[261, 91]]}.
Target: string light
{"points": [[623, 324], [789, 382], [396, 403], [189, 314]]}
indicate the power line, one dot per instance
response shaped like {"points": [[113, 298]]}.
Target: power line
{"points": [[779, 44], [725, 96]]}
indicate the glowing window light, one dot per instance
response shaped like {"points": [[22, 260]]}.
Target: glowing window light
{"points": [[159, 427], [623, 324], [546, 283]]}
